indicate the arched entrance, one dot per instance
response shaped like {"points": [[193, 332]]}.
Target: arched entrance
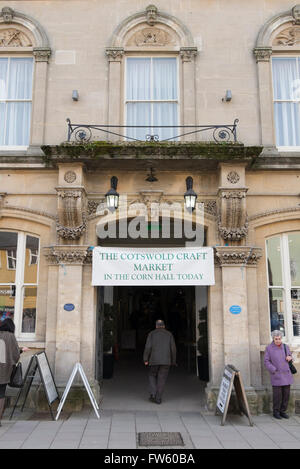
{"points": [[126, 314]]}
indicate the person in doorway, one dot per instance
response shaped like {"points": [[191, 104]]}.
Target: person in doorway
{"points": [[276, 361], [9, 356], [159, 355]]}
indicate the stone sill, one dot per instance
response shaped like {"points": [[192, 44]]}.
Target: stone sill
{"points": [[31, 344]]}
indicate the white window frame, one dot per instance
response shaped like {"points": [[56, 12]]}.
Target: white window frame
{"points": [[286, 148], [152, 101], [20, 285], [6, 100], [286, 285]]}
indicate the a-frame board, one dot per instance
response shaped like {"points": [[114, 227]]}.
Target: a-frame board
{"points": [[232, 379], [38, 362], [78, 368]]}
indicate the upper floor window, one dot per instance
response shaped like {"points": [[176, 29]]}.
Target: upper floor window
{"points": [[15, 100], [151, 96], [283, 258], [19, 255]]}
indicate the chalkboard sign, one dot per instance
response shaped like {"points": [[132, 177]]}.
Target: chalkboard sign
{"points": [[38, 362], [232, 379]]}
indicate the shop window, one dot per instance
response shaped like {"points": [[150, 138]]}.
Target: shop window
{"points": [[15, 100], [283, 258], [19, 255], [151, 97]]}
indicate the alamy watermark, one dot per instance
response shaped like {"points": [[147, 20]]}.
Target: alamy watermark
{"points": [[153, 220]]}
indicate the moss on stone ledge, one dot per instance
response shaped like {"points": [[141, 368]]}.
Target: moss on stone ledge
{"points": [[154, 150]]}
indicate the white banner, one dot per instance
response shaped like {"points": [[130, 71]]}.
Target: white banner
{"points": [[153, 266]]}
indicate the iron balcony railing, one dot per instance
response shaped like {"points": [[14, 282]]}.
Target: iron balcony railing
{"points": [[84, 133]]}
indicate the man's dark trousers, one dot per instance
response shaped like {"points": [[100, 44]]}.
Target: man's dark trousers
{"points": [[157, 379]]}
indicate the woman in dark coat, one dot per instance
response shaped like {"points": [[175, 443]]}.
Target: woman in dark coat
{"points": [[9, 356], [277, 363]]}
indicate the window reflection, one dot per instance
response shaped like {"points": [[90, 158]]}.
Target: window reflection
{"points": [[294, 251], [277, 309], [274, 261], [31, 259], [8, 256], [295, 297], [29, 310]]}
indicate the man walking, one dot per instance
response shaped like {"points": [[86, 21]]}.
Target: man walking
{"points": [[159, 355]]}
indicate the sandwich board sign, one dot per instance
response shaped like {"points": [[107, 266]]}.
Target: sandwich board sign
{"points": [[38, 362], [232, 379], [78, 369]]}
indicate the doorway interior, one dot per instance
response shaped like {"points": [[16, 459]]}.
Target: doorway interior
{"points": [[127, 314]]}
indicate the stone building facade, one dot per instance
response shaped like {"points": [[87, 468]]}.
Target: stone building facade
{"points": [[226, 83]]}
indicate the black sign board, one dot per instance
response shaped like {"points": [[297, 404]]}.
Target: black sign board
{"points": [[38, 362], [232, 379]]}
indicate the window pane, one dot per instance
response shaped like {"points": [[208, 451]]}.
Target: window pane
{"points": [[7, 302], [277, 309], [287, 124], [8, 255], [285, 78], [295, 295], [164, 78], [294, 251], [165, 114], [138, 79], [274, 261], [138, 114], [18, 123], [31, 259], [20, 79], [3, 77], [2, 123], [29, 310]]}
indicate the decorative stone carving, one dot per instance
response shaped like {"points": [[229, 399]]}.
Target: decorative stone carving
{"points": [[288, 37], [232, 219], [70, 176], [114, 54], [67, 254], [210, 206], [13, 37], [150, 37], [237, 255], [187, 54], [92, 206], [151, 14], [233, 177], [42, 54], [71, 220], [7, 15], [263, 54], [296, 14]]}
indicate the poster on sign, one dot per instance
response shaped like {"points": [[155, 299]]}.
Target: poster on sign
{"points": [[153, 266]]}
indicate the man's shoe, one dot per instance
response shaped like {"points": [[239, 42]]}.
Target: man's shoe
{"points": [[284, 415], [158, 401], [152, 399], [276, 415]]}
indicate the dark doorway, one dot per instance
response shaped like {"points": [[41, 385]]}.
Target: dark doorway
{"points": [[130, 314]]}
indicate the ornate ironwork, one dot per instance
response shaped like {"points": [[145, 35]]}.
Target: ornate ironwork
{"points": [[84, 133]]}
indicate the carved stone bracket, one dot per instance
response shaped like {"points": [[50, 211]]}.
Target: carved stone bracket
{"points": [[114, 54], [237, 255], [71, 220], [263, 54], [232, 218], [187, 54], [42, 54], [56, 255]]}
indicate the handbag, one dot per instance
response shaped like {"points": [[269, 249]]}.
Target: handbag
{"points": [[292, 367], [16, 377]]}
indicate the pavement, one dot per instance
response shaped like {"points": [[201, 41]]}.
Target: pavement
{"points": [[118, 429], [125, 411]]}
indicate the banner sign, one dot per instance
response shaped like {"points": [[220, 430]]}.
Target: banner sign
{"points": [[153, 266]]}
